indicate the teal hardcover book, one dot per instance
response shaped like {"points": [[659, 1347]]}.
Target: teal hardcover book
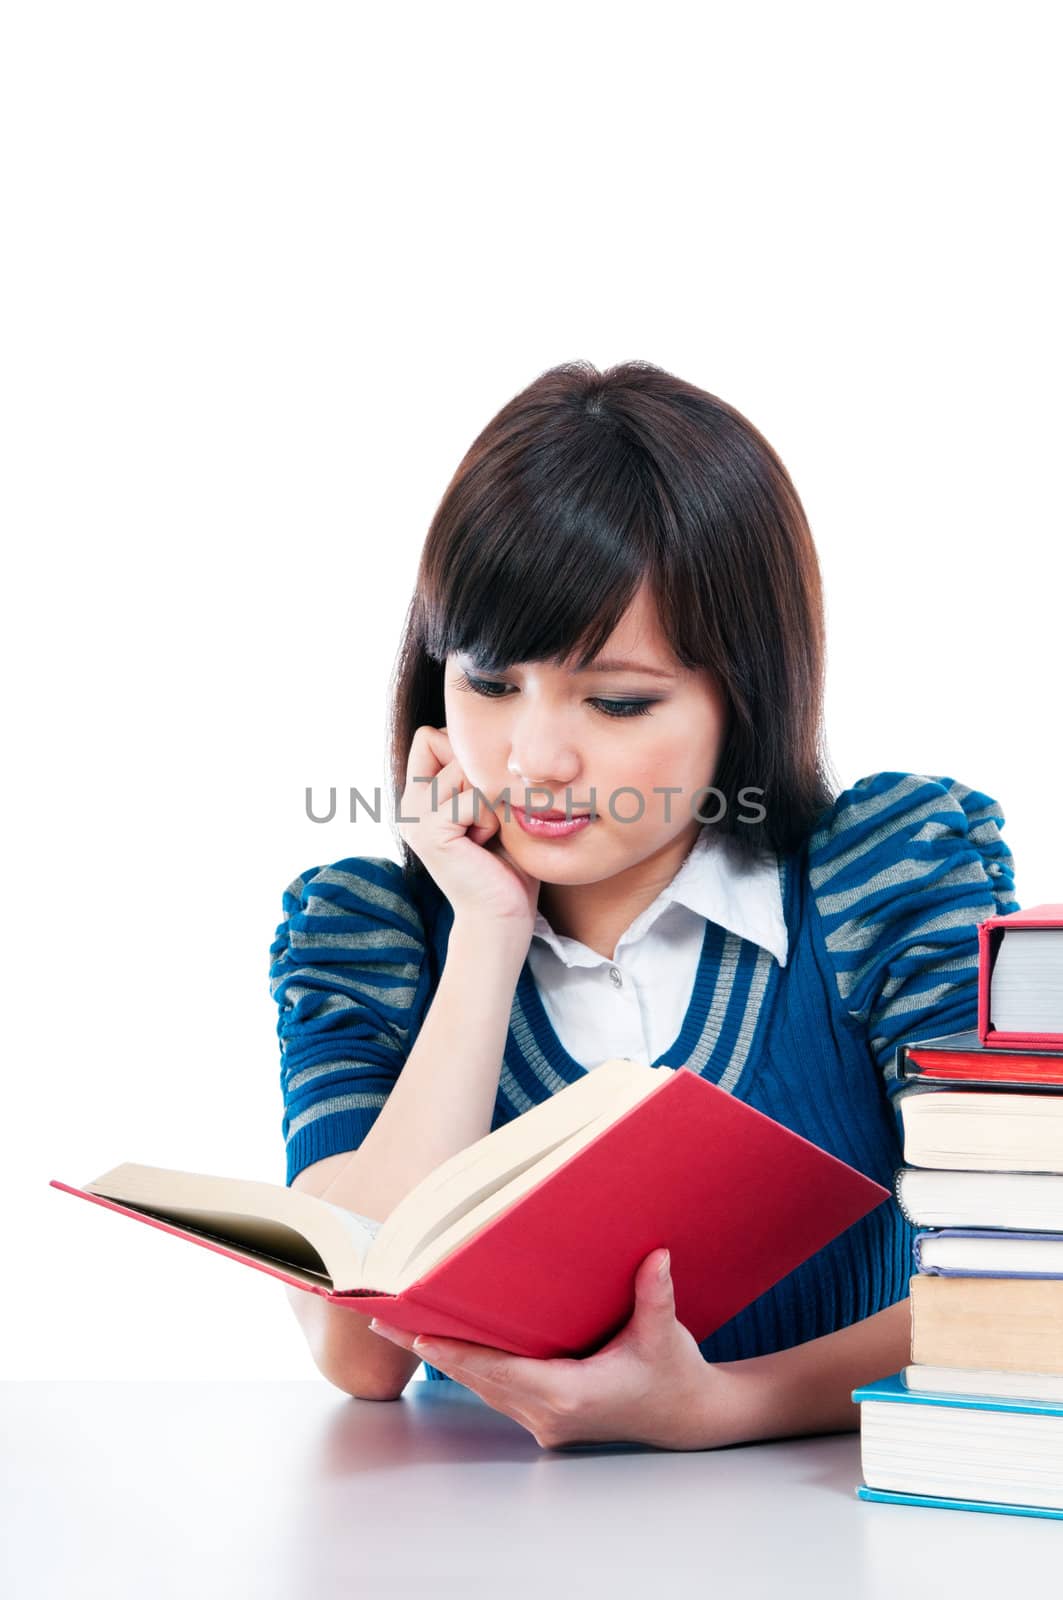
{"points": [[894, 1388], [944, 1504], [981, 1458]]}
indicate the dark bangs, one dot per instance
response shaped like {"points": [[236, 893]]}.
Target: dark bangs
{"points": [[586, 485], [544, 567]]}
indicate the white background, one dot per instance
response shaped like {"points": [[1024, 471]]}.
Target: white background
{"points": [[269, 269]]}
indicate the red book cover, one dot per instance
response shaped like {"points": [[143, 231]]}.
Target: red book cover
{"points": [[990, 933], [963, 1060], [739, 1199]]}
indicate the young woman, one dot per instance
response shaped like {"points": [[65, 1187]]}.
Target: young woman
{"points": [[618, 617]]}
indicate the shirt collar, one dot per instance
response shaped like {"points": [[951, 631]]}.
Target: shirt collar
{"points": [[743, 897]]}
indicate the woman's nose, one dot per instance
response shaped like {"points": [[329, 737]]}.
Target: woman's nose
{"points": [[545, 772]]}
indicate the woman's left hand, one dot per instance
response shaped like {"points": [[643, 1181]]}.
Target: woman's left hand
{"points": [[650, 1384]]}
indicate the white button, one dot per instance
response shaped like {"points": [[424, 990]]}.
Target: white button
{"points": [[617, 976], [994, 867]]}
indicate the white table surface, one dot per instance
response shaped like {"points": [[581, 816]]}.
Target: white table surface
{"points": [[293, 1489]]}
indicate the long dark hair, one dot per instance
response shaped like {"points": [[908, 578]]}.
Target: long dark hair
{"points": [[585, 485]]}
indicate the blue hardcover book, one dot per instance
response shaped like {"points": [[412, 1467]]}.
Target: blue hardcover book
{"points": [[897, 1497], [895, 1388], [995, 1246], [1038, 1454]]}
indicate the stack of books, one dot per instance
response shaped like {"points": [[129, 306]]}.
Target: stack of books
{"points": [[975, 1423]]}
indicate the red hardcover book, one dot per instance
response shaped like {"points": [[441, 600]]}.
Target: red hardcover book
{"points": [[962, 1060], [739, 1199], [990, 933]]}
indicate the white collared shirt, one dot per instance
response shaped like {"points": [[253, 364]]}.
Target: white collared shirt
{"points": [[634, 1004]]}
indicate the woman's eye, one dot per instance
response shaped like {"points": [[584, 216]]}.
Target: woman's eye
{"points": [[481, 686], [609, 708], [624, 708]]}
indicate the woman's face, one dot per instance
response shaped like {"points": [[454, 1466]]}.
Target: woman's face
{"points": [[569, 741]]}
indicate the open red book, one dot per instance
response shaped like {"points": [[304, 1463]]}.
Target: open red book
{"points": [[529, 1239]]}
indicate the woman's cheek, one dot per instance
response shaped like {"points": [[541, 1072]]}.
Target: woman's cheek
{"points": [[461, 731], [627, 794]]}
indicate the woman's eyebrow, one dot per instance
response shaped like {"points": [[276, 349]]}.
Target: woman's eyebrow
{"points": [[602, 664], [614, 664]]}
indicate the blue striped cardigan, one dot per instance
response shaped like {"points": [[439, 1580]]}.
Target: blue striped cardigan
{"points": [[882, 903]]}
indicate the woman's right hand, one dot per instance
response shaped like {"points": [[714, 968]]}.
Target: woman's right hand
{"points": [[465, 857]]}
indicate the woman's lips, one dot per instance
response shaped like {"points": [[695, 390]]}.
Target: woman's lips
{"points": [[551, 825], [553, 815]]}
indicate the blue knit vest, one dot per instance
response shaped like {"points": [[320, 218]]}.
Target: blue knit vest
{"points": [[780, 1039]]}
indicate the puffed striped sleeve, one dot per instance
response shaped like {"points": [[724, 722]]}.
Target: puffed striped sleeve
{"points": [[902, 869], [348, 974]]}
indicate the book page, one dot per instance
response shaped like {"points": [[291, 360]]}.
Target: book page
{"points": [[471, 1175], [1026, 986], [254, 1238], [264, 1221], [444, 1243]]}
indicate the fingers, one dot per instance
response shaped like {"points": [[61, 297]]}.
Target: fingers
{"points": [[511, 1385], [488, 1372], [430, 751], [496, 1395], [436, 782], [525, 877], [433, 774], [536, 1382]]}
